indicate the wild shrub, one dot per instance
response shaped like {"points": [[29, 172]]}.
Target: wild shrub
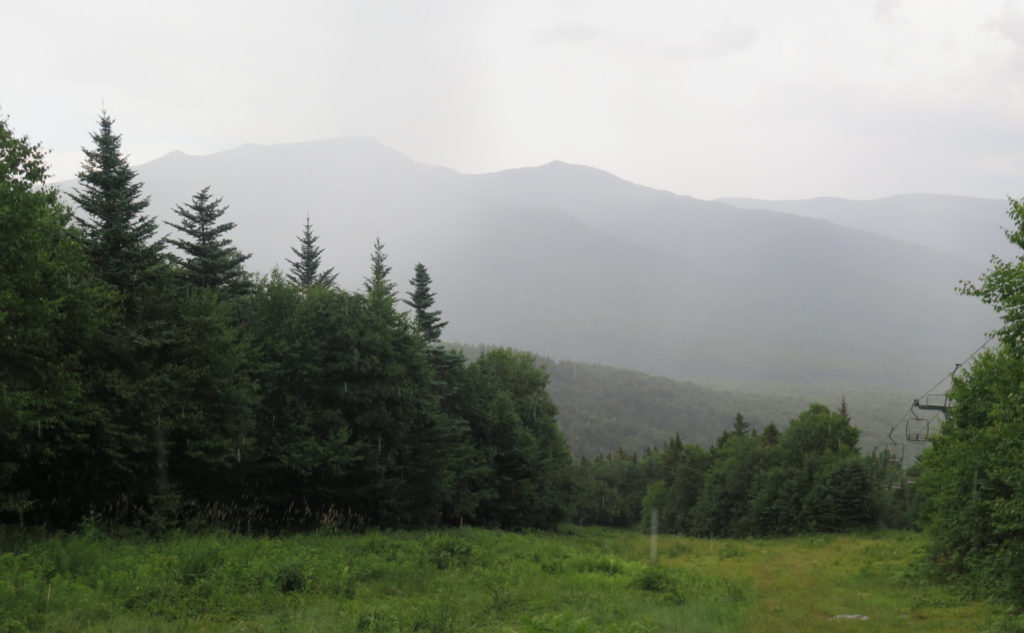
{"points": [[291, 577], [661, 580], [197, 559], [447, 550]]}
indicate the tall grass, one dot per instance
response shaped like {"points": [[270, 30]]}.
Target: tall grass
{"points": [[577, 581]]}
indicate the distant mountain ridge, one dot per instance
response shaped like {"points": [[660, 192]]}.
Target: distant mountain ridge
{"points": [[573, 262], [957, 225]]}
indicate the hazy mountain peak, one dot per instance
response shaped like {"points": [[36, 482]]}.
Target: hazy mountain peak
{"points": [[576, 262]]}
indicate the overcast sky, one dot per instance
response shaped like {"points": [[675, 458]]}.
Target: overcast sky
{"points": [[783, 99]]}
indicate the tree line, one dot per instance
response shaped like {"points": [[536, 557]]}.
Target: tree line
{"points": [[809, 477], [153, 381]]}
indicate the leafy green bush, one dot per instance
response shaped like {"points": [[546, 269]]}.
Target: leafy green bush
{"points": [[661, 580], [447, 550]]}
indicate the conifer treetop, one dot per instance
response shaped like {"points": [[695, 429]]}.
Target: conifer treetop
{"points": [[421, 299], [212, 260], [305, 270], [119, 239], [378, 286]]}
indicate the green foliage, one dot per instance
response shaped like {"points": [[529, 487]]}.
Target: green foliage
{"points": [[525, 461], [51, 310], [446, 550], [421, 299], [603, 409], [162, 396], [1000, 285], [383, 581], [661, 580], [305, 270], [975, 482], [211, 261], [609, 489], [119, 239], [379, 288], [974, 473], [808, 478]]}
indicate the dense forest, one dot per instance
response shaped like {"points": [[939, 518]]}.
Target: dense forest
{"points": [[809, 477], [154, 381]]}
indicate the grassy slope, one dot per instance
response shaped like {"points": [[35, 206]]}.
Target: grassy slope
{"points": [[470, 580]]}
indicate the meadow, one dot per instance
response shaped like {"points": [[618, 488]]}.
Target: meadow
{"points": [[575, 580]]}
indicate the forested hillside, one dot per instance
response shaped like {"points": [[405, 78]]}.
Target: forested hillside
{"points": [[606, 409]]}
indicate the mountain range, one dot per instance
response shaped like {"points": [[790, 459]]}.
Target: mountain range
{"points": [[575, 263]]}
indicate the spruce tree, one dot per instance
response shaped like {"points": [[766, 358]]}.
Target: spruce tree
{"points": [[305, 270], [740, 426], [212, 261], [119, 239], [379, 289], [428, 322], [134, 381]]}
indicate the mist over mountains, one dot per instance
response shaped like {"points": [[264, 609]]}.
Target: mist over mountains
{"points": [[575, 263], [965, 227]]}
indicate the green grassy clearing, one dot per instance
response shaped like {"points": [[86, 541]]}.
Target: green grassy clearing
{"points": [[576, 581]]}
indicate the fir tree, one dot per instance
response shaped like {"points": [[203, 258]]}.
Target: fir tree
{"points": [[212, 261], [378, 287], [305, 270], [740, 426], [428, 322], [119, 239]]}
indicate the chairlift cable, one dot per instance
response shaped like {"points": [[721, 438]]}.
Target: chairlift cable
{"points": [[905, 418]]}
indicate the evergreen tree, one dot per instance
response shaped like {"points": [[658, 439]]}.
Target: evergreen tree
{"points": [[421, 299], [51, 308], [741, 427], [128, 450], [212, 261], [119, 239], [379, 288], [305, 269]]}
